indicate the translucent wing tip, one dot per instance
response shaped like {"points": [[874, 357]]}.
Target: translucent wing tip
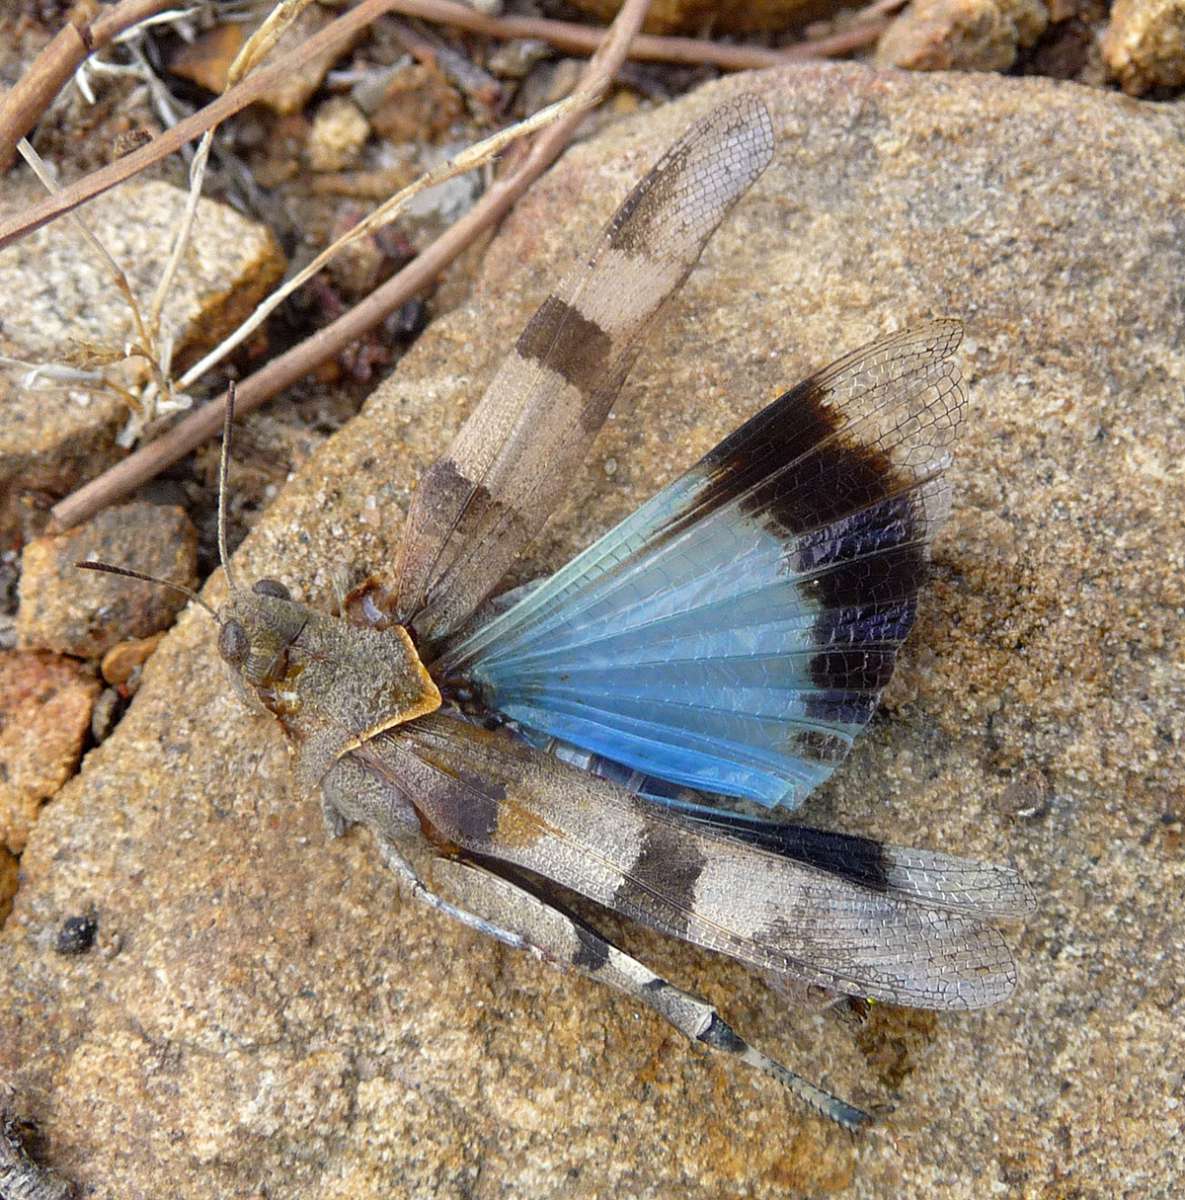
{"points": [[749, 114]]}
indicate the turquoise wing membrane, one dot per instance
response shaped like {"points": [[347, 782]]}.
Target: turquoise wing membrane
{"points": [[733, 635]]}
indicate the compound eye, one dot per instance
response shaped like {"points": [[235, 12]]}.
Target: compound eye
{"points": [[271, 587], [233, 643]]}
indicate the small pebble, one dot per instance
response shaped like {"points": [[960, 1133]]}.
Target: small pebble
{"points": [[121, 661], [338, 134], [85, 613], [77, 934]]}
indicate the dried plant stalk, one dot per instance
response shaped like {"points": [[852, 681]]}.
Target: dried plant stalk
{"points": [[582, 39], [52, 69], [253, 51], [285, 370], [145, 346], [230, 102], [468, 160]]}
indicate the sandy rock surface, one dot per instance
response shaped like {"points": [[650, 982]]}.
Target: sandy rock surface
{"points": [[278, 1021]]}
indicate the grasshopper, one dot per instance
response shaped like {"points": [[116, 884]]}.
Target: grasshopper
{"points": [[625, 729]]}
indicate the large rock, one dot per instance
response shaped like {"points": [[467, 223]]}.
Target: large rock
{"points": [[279, 1013]]}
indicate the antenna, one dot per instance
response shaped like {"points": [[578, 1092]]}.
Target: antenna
{"points": [[223, 459], [107, 568]]}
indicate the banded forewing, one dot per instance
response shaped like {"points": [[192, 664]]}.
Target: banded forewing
{"points": [[479, 505], [919, 936], [728, 639]]}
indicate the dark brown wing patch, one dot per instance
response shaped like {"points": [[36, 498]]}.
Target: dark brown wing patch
{"points": [[669, 866], [562, 338]]}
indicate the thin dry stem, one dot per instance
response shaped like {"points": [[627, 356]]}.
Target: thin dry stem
{"points": [[430, 48], [197, 173], [836, 44], [469, 159], [579, 39], [146, 345], [231, 102], [256, 47], [281, 372], [53, 68], [260, 43], [154, 346], [56, 376]]}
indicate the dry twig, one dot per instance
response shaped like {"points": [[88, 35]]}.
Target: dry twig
{"points": [[879, 8], [39, 168], [153, 344], [567, 36], [582, 39], [285, 370], [253, 52], [23, 107], [146, 345], [468, 160], [231, 102]]}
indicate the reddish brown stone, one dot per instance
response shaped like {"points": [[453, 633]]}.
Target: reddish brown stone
{"points": [[419, 104], [45, 712], [120, 661], [206, 60]]}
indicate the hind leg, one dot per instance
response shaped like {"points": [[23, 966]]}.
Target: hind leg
{"points": [[519, 918]]}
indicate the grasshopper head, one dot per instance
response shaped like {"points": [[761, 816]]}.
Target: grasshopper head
{"points": [[331, 684], [257, 630]]}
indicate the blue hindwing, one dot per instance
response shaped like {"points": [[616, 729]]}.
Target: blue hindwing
{"points": [[734, 634]]}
